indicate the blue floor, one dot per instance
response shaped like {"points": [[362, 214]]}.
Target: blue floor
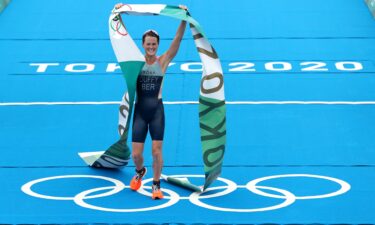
{"points": [[271, 51]]}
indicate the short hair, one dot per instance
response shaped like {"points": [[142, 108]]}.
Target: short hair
{"points": [[150, 33]]}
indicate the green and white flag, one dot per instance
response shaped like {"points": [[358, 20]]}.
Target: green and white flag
{"points": [[212, 112]]}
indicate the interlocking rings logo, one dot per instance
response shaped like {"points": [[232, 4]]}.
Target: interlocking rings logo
{"points": [[196, 198]]}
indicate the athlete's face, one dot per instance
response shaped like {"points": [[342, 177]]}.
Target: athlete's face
{"points": [[150, 45]]}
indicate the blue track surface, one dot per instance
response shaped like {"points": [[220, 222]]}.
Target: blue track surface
{"points": [[272, 52]]}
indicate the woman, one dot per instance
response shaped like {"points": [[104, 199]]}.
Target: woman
{"points": [[149, 110]]}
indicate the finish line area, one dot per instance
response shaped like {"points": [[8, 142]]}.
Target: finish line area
{"points": [[300, 98]]}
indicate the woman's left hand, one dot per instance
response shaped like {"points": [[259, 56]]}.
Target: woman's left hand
{"points": [[118, 5]]}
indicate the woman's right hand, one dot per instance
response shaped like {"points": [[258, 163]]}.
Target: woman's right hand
{"points": [[118, 5], [184, 7]]}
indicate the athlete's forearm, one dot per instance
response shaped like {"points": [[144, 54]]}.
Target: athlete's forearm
{"points": [[178, 37], [177, 40], [180, 31]]}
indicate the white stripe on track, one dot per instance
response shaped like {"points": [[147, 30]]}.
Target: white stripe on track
{"points": [[196, 102]]}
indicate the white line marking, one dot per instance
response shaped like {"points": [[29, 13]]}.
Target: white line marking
{"points": [[196, 102]]}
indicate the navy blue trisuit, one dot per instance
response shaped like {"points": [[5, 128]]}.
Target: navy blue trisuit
{"points": [[149, 109]]}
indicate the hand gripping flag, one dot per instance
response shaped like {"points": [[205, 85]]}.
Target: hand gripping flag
{"points": [[212, 111]]}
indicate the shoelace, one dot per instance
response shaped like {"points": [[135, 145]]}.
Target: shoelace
{"points": [[155, 187]]}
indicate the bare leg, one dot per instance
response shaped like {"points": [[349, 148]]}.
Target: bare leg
{"points": [[137, 154], [157, 159]]}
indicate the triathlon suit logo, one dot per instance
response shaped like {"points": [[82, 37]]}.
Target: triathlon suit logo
{"points": [[150, 81]]}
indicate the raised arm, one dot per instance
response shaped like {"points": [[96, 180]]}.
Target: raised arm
{"points": [[167, 57]]}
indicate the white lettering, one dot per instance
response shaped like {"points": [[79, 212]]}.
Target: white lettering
{"points": [[186, 67], [42, 67], [244, 67], [284, 66], [314, 66], [112, 67], [86, 67], [349, 66]]}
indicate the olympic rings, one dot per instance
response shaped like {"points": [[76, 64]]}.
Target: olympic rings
{"points": [[290, 198], [231, 187], [79, 200], [26, 188], [118, 25], [129, 6], [195, 198], [344, 186]]}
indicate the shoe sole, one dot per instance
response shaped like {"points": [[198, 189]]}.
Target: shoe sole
{"points": [[157, 198]]}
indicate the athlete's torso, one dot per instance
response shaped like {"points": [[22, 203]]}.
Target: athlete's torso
{"points": [[149, 110], [150, 81]]}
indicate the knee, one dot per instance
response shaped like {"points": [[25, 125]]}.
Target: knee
{"points": [[136, 155]]}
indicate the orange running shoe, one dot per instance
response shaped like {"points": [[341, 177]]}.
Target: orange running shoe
{"points": [[156, 192], [136, 182]]}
